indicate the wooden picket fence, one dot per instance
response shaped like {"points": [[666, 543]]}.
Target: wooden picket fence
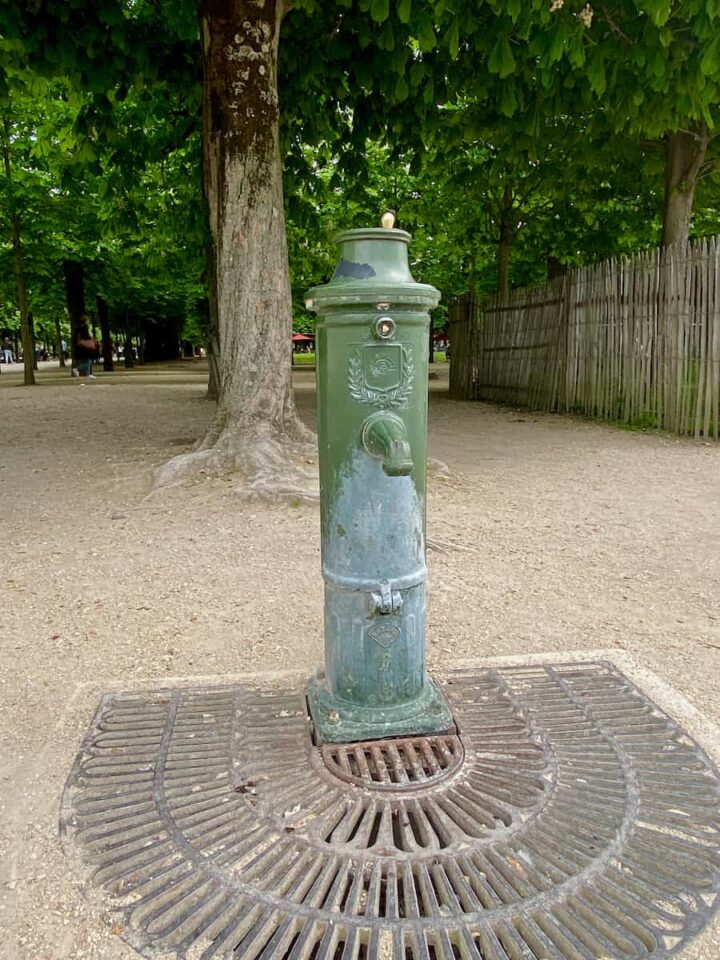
{"points": [[635, 340]]}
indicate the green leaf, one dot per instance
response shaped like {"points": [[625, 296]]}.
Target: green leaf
{"points": [[454, 39], [404, 8], [596, 75], [508, 100], [658, 10], [659, 65], [401, 88], [710, 60], [557, 47], [386, 40], [417, 72], [380, 10], [426, 34], [514, 8], [501, 59], [576, 55]]}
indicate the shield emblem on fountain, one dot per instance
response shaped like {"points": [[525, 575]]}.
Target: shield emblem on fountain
{"points": [[381, 374], [383, 366]]}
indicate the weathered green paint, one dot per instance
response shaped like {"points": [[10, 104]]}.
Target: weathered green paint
{"points": [[371, 350]]}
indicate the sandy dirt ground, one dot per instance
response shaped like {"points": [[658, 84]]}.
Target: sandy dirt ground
{"points": [[550, 535]]}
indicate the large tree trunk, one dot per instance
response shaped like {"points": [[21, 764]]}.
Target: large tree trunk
{"points": [[507, 228], [256, 432], [213, 354], [686, 151], [104, 320], [28, 343], [33, 340], [212, 350], [213, 342], [19, 267], [75, 299]]}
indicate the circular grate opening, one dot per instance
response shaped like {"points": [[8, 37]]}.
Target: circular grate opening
{"points": [[393, 764]]}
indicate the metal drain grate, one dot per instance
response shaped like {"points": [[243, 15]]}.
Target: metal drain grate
{"points": [[385, 764], [575, 821]]}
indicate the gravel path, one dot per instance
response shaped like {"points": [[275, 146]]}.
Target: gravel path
{"points": [[550, 535]]}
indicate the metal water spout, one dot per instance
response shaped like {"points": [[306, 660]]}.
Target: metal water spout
{"points": [[385, 436]]}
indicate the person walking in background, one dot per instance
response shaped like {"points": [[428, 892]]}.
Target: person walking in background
{"points": [[7, 350], [84, 350]]}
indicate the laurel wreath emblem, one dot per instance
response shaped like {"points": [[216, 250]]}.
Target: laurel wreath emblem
{"points": [[359, 390]]}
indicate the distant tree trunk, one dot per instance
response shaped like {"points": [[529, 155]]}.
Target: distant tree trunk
{"points": [[75, 299], [686, 151], [19, 267], [555, 269], [472, 274], [33, 340], [104, 320], [59, 342], [28, 345], [255, 431], [431, 345], [128, 358], [507, 229]]}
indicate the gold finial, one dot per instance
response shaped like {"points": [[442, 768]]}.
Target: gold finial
{"points": [[387, 220]]}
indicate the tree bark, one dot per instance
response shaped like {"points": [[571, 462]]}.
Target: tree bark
{"points": [[255, 431], [75, 299], [686, 152], [555, 269], [19, 268], [504, 244], [212, 344], [472, 274], [33, 340], [213, 390], [28, 345], [104, 320], [213, 355]]}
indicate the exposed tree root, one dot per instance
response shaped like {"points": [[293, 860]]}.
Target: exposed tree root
{"points": [[262, 464], [437, 468], [449, 546]]}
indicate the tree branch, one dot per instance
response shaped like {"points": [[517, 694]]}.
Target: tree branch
{"points": [[708, 169], [616, 29]]}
